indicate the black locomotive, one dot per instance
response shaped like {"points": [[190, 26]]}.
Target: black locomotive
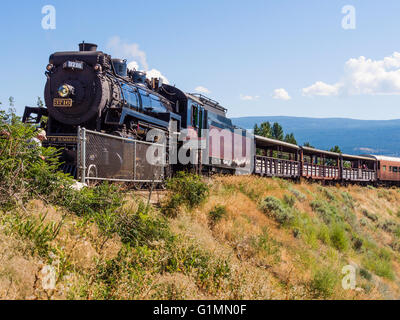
{"points": [[88, 88]]}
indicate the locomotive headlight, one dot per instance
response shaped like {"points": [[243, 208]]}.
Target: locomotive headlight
{"points": [[64, 91], [97, 68], [49, 67]]}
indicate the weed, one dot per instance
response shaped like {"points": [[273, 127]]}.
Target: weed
{"points": [[289, 200], [379, 262], [323, 284], [365, 274], [274, 208], [299, 196], [339, 238], [217, 214], [185, 189], [369, 215]]}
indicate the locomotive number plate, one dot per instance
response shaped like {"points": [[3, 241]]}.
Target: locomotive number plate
{"points": [[62, 103]]}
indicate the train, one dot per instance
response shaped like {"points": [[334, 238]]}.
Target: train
{"points": [[89, 88]]}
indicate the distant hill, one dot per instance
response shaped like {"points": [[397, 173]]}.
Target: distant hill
{"points": [[352, 136]]}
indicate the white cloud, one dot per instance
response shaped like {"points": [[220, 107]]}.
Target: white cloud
{"points": [[248, 98], [201, 89], [363, 76], [125, 50], [281, 94], [321, 89]]}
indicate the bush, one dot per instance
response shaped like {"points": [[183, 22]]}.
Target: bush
{"points": [[323, 284], [379, 262], [217, 214], [369, 215], [274, 208], [348, 199], [39, 232], [339, 238], [24, 175], [323, 235], [322, 209], [289, 200], [299, 196], [365, 274], [185, 189]]}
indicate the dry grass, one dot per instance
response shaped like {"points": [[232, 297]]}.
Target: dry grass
{"points": [[265, 259]]}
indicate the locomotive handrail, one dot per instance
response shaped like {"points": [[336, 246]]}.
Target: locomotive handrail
{"points": [[279, 159]]}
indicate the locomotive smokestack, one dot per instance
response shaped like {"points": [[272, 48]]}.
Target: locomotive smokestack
{"points": [[87, 46]]}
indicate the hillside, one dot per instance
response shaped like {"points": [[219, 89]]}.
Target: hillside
{"points": [[353, 136], [222, 238], [228, 238]]}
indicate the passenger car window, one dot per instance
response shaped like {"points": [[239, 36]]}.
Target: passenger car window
{"points": [[384, 168], [394, 169]]}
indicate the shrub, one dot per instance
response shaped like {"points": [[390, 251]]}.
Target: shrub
{"points": [[24, 174], [339, 238], [323, 235], [274, 208], [323, 284], [34, 229], [217, 214], [379, 262], [369, 215], [322, 209], [185, 189], [348, 199], [328, 194], [289, 200], [365, 274], [299, 196]]}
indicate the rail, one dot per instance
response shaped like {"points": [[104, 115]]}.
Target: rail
{"points": [[267, 166], [358, 174], [320, 171]]}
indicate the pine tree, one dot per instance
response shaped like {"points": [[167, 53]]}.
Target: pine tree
{"points": [[277, 131], [289, 138], [336, 149], [39, 102], [11, 102], [266, 130]]}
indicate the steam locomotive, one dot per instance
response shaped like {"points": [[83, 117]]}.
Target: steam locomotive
{"points": [[88, 88]]}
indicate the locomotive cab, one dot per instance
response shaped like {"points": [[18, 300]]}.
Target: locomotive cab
{"points": [[120, 67]]}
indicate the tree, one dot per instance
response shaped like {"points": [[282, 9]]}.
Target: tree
{"points": [[335, 149], [264, 130], [289, 138], [39, 102], [11, 102], [277, 131], [307, 144]]}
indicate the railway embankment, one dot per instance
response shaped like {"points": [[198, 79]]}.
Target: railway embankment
{"points": [[226, 238]]}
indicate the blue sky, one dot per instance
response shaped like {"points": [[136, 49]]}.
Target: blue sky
{"points": [[241, 52]]}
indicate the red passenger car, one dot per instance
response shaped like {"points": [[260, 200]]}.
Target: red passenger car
{"points": [[388, 169]]}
